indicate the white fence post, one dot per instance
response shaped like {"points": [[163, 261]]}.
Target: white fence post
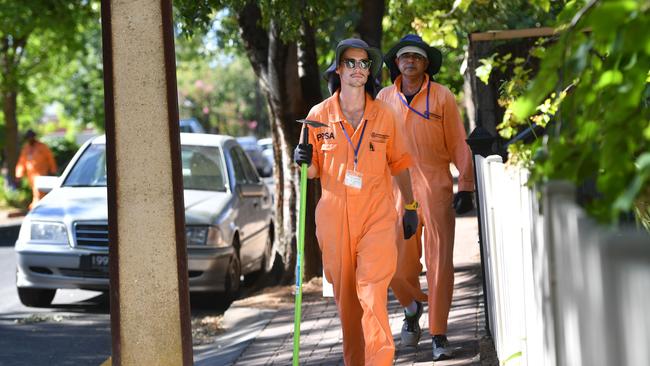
{"points": [[561, 289]]}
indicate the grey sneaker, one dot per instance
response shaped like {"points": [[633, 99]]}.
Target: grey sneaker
{"points": [[411, 330], [441, 349]]}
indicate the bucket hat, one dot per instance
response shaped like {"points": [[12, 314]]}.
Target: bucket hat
{"points": [[29, 134], [374, 54], [433, 55]]}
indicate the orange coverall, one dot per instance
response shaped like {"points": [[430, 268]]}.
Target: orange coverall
{"points": [[356, 227], [35, 160], [434, 143]]}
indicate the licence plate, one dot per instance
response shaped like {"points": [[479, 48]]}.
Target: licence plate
{"points": [[95, 261]]}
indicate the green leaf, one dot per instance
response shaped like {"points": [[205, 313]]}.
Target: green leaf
{"points": [[462, 5], [512, 357], [483, 72], [609, 77], [451, 40], [523, 107]]}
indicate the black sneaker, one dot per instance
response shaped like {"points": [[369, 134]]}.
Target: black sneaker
{"points": [[441, 349], [411, 330]]}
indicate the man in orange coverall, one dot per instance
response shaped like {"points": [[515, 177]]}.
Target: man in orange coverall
{"points": [[354, 157], [433, 129], [35, 159]]}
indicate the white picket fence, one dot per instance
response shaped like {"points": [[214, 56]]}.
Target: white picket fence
{"points": [[561, 290]]}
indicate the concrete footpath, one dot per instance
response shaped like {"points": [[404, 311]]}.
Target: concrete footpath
{"points": [[263, 336]]}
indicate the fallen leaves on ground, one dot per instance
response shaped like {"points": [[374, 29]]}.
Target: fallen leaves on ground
{"points": [[40, 318], [282, 297], [204, 329]]}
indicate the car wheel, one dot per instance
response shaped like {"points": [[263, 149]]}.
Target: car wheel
{"points": [[233, 277], [36, 297]]}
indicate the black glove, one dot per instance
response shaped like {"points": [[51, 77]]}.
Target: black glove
{"points": [[303, 154], [410, 223], [463, 202]]}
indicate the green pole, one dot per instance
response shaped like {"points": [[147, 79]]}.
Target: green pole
{"points": [[299, 258]]}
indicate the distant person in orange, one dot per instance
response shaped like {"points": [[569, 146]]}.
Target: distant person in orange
{"points": [[35, 159], [435, 136], [354, 157]]}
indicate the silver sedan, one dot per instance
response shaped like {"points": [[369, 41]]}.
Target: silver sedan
{"points": [[63, 242]]}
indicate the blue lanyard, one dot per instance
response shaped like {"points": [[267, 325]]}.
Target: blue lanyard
{"points": [[424, 115], [356, 151]]}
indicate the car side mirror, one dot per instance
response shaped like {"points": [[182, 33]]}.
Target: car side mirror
{"points": [[45, 183], [264, 172], [250, 190]]}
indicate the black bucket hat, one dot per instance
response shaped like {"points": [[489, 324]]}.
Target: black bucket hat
{"points": [[374, 54], [433, 55], [29, 134]]}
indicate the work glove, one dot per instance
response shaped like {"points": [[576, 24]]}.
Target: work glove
{"points": [[463, 202], [303, 154], [410, 223]]}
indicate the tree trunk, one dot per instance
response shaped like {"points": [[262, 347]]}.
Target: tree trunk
{"points": [[11, 128], [275, 63], [486, 97], [311, 92], [369, 26]]}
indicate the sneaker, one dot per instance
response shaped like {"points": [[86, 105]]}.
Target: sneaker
{"points": [[441, 349], [411, 328]]}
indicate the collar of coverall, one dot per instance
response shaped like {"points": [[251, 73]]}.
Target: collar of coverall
{"points": [[398, 83], [335, 114]]}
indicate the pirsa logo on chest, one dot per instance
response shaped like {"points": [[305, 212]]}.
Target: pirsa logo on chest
{"points": [[325, 136]]}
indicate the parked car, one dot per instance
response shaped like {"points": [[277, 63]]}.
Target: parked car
{"points": [[266, 144], [63, 241], [254, 151], [190, 125]]}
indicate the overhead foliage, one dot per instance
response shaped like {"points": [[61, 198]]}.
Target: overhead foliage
{"points": [[447, 24], [220, 91], [37, 39], [332, 20], [594, 84]]}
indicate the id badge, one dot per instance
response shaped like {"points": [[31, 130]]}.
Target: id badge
{"points": [[353, 179]]}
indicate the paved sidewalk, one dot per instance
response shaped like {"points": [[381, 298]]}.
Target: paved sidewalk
{"points": [[266, 336]]}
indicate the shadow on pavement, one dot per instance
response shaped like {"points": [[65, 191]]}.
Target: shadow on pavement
{"points": [[8, 235]]}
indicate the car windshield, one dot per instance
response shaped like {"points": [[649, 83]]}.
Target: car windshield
{"points": [[202, 168]]}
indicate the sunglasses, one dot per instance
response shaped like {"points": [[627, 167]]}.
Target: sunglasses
{"points": [[351, 63]]}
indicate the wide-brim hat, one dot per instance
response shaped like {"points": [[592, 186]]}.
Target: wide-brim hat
{"points": [[29, 134], [374, 54], [433, 55]]}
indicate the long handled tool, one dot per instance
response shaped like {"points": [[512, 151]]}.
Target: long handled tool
{"points": [[301, 240]]}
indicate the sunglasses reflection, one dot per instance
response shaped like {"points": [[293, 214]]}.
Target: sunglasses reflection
{"points": [[351, 63]]}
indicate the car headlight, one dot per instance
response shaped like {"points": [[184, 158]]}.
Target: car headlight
{"points": [[48, 232], [204, 235], [215, 238], [196, 235]]}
